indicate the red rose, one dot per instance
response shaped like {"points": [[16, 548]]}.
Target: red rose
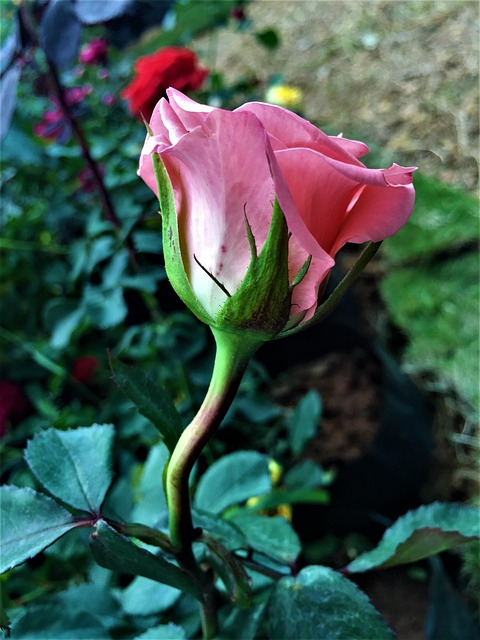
{"points": [[175, 67]]}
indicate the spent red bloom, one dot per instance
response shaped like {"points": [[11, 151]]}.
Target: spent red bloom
{"points": [[84, 369], [176, 67], [94, 52], [54, 124], [13, 404], [87, 181]]}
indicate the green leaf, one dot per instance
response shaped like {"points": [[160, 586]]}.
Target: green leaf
{"points": [[150, 500], [320, 603], [99, 249], [42, 622], [114, 551], [113, 271], [269, 38], [273, 537], [151, 400], [191, 17], [303, 423], [62, 317], [307, 474], [146, 241], [30, 521], [278, 497], [418, 534], [144, 597], [168, 631], [232, 480], [74, 465], [92, 599], [105, 307], [243, 624], [228, 534]]}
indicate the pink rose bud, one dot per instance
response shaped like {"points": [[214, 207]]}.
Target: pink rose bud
{"points": [[256, 203], [94, 52]]}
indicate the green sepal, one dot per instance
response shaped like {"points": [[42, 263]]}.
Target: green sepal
{"points": [[302, 272], [171, 242], [262, 302]]}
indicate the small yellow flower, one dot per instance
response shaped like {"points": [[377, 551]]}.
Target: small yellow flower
{"points": [[251, 502], [275, 470], [285, 510], [284, 95]]}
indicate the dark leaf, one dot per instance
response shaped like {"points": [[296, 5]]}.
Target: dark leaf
{"points": [[9, 49], [269, 38], [418, 534], [40, 622], [8, 97], [114, 551], [303, 423], [448, 615], [93, 12], [60, 32], [151, 400], [243, 624]]}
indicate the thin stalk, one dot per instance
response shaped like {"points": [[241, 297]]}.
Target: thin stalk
{"points": [[107, 205], [59, 91], [334, 298]]}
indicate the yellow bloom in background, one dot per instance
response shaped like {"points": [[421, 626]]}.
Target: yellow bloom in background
{"points": [[275, 470], [285, 510], [284, 95]]}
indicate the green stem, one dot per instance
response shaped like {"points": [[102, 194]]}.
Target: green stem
{"points": [[232, 357]]}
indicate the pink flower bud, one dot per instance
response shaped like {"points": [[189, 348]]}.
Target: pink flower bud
{"points": [[94, 52], [227, 168]]}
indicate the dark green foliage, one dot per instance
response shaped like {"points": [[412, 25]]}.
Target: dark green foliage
{"points": [[30, 522], [324, 605], [232, 480]]}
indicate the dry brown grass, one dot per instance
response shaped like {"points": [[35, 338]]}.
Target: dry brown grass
{"points": [[402, 75]]}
